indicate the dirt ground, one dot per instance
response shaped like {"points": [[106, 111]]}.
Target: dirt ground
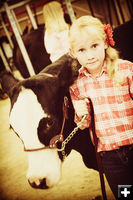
{"points": [[77, 182]]}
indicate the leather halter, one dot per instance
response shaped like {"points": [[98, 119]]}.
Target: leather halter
{"points": [[59, 137]]}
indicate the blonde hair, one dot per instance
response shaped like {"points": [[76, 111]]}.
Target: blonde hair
{"points": [[54, 17], [88, 24]]}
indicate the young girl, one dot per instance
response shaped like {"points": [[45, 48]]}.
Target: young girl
{"points": [[108, 82], [56, 34]]}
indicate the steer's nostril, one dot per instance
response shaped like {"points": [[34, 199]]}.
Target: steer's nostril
{"points": [[42, 184]]}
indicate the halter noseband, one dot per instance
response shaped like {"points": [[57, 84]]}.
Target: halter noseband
{"points": [[59, 137]]}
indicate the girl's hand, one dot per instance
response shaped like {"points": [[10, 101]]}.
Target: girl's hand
{"points": [[81, 108]]}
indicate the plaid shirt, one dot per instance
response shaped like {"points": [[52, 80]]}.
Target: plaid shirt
{"points": [[113, 107]]}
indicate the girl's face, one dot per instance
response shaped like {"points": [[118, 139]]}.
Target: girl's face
{"points": [[90, 53]]}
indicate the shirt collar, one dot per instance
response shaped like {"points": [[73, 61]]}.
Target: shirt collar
{"points": [[84, 72]]}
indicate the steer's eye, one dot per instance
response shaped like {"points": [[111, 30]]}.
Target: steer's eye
{"points": [[47, 129], [45, 124], [49, 123]]}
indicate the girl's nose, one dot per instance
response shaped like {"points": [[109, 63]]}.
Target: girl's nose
{"points": [[90, 55]]}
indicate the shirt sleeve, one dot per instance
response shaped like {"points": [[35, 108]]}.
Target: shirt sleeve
{"points": [[75, 99]]}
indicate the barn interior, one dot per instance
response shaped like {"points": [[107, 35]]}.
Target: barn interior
{"points": [[77, 182]]}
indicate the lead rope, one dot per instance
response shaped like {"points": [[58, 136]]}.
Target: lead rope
{"points": [[69, 137], [98, 157]]}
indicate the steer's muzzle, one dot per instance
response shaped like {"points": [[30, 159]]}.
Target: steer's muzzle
{"points": [[40, 184]]}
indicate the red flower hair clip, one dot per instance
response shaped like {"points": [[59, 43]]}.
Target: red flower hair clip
{"points": [[109, 32]]}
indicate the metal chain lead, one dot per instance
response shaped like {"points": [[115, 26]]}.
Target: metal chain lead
{"points": [[71, 135]]}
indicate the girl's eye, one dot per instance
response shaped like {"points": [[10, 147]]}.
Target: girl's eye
{"points": [[94, 45], [81, 50]]}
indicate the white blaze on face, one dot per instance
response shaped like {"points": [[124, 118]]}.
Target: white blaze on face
{"points": [[24, 118], [46, 165]]}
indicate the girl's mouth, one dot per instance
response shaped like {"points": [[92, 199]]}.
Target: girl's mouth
{"points": [[91, 63]]}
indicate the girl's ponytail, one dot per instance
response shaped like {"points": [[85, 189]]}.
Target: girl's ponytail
{"points": [[111, 58]]}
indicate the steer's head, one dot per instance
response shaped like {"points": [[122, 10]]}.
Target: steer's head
{"points": [[36, 116]]}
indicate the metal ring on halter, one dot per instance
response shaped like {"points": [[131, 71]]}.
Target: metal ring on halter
{"points": [[71, 134]]}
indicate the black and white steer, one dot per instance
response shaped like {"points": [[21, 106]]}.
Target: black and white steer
{"points": [[36, 115]]}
